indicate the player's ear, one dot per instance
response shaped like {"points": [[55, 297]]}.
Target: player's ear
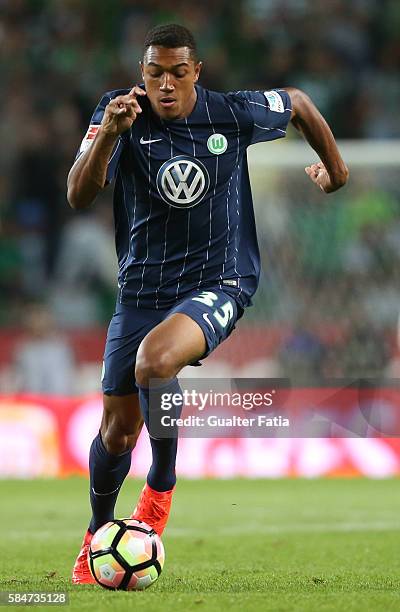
{"points": [[197, 70], [141, 68]]}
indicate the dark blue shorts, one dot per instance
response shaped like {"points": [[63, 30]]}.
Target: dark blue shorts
{"points": [[214, 311]]}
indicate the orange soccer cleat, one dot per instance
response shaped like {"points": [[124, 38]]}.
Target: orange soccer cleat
{"points": [[153, 508], [81, 572]]}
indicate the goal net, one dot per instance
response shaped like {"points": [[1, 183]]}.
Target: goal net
{"points": [[329, 295]]}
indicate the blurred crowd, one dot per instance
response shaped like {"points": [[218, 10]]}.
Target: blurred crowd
{"points": [[57, 58], [332, 269]]}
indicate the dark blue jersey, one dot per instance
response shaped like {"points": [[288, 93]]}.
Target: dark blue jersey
{"points": [[183, 208]]}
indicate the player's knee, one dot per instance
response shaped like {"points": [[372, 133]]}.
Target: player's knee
{"points": [[119, 437], [117, 442], [153, 363]]}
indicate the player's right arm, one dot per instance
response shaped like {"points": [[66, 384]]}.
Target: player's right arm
{"points": [[88, 175]]}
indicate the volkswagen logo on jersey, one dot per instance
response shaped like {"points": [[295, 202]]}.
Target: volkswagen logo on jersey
{"points": [[183, 181]]}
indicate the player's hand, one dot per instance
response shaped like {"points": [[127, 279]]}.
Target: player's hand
{"points": [[319, 175], [121, 112]]}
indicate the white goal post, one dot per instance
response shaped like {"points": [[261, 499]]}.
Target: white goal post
{"points": [[356, 153]]}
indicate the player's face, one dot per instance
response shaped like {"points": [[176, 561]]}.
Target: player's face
{"points": [[169, 76]]}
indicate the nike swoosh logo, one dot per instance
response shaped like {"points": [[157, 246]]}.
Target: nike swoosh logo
{"points": [[207, 320], [142, 141]]}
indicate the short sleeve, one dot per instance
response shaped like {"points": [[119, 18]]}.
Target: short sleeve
{"points": [[91, 133], [269, 113]]}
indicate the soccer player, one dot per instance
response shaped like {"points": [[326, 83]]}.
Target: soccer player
{"points": [[185, 238]]}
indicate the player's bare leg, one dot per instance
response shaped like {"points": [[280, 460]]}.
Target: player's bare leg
{"points": [[171, 345], [109, 461], [121, 422]]}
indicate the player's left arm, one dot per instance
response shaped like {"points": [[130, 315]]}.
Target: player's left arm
{"points": [[331, 172]]}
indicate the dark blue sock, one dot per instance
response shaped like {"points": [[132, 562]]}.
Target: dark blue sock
{"points": [[161, 476], [107, 473]]}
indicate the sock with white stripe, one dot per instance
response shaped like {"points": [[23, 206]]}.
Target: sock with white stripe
{"points": [[107, 473]]}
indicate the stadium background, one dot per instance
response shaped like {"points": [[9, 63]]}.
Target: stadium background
{"points": [[329, 297]]}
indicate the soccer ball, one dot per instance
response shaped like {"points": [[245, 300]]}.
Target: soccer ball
{"points": [[126, 554]]}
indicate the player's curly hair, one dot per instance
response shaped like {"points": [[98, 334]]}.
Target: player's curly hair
{"points": [[171, 36]]}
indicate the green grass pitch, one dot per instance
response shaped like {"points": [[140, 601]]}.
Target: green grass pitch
{"points": [[248, 545]]}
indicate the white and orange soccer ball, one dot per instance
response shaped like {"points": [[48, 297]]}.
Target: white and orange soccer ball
{"points": [[126, 554]]}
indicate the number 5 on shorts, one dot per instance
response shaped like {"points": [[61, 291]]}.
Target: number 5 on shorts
{"points": [[223, 319]]}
